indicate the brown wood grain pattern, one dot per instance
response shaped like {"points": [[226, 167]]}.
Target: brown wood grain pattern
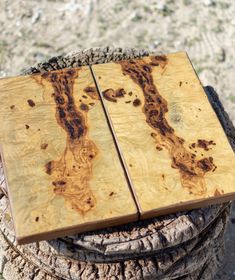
{"points": [[63, 171], [175, 150]]}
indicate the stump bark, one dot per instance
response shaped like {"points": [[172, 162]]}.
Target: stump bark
{"points": [[185, 245]]}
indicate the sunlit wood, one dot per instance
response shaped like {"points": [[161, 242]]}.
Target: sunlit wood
{"points": [[63, 171], [175, 150]]}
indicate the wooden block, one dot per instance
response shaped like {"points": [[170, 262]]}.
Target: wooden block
{"points": [[174, 149], [63, 170]]}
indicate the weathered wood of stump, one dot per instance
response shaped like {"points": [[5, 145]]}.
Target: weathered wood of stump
{"points": [[186, 245]]}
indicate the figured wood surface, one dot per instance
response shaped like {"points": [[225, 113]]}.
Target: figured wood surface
{"points": [[52, 260], [175, 150], [63, 171]]}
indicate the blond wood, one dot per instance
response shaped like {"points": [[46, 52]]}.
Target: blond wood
{"points": [[133, 240], [175, 150], [63, 171]]}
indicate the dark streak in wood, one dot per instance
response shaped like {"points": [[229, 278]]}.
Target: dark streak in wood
{"points": [[70, 174], [136, 102], [31, 102], [155, 108], [204, 144], [84, 107], [48, 167], [112, 95], [44, 146], [92, 92]]}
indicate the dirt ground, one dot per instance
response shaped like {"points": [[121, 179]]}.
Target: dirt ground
{"points": [[32, 31]]}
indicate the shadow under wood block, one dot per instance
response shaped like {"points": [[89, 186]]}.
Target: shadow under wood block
{"points": [[63, 171], [175, 151]]}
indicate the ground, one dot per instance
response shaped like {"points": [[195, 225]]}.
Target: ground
{"points": [[32, 31]]}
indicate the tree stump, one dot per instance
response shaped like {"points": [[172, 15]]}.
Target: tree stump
{"points": [[185, 245]]}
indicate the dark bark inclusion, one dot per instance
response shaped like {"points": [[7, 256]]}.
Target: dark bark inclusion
{"points": [[192, 170], [112, 95], [71, 173]]}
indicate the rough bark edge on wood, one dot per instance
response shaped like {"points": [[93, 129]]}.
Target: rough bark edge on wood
{"points": [[209, 245]]}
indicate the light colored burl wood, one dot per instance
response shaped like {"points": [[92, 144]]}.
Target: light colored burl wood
{"points": [[174, 148], [184, 244], [63, 171]]}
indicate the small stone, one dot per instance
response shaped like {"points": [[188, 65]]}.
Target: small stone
{"points": [[35, 18], [208, 2], [160, 6], [156, 44]]}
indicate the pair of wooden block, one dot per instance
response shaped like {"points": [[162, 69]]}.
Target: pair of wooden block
{"points": [[87, 148]]}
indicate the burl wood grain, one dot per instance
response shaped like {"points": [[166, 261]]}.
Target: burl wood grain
{"points": [[155, 108], [175, 150], [72, 180], [63, 171]]}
